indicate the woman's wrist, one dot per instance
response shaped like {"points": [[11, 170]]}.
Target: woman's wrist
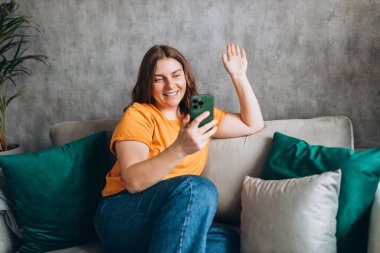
{"points": [[239, 78], [176, 151], [238, 75]]}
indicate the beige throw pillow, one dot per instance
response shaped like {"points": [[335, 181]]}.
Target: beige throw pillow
{"points": [[292, 215]]}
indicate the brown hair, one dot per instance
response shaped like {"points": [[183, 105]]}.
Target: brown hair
{"points": [[142, 92]]}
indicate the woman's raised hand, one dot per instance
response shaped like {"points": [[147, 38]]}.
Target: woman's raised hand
{"points": [[192, 138], [235, 60]]}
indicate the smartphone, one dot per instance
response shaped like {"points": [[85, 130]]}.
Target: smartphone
{"points": [[201, 103]]}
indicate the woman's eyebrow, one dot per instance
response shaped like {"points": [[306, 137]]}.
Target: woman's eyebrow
{"points": [[175, 71]]}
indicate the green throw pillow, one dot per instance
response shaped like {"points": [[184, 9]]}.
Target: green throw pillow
{"points": [[292, 158], [56, 192]]}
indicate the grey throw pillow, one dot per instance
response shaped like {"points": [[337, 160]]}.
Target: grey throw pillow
{"points": [[292, 215]]}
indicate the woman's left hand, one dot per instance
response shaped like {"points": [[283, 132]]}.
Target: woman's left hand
{"points": [[235, 60]]}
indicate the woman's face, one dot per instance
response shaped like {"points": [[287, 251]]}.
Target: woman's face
{"points": [[169, 84]]}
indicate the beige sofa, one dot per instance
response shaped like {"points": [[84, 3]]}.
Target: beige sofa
{"points": [[230, 160]]}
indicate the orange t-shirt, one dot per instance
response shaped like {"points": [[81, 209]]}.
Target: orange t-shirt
{"points": [[146, 124]]}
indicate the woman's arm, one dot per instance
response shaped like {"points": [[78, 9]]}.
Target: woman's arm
{"points": [[250, 119], [139, 173]]}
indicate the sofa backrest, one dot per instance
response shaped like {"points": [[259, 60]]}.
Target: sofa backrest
{"points": [[230, 160]]}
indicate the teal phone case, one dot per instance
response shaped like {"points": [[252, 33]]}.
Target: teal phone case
{"points": [[200, 104]]}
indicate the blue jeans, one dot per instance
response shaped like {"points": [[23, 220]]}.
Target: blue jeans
{"points": [[174, 215]]}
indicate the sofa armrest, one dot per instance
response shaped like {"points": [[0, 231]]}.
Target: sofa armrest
{"points": [[374, 227], [7, 238]]}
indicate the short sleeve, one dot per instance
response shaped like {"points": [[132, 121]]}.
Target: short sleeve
{"points": [[135, 125], [219, 115]]}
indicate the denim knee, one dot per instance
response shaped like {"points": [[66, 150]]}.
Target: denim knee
{"points": [[205, 192]]}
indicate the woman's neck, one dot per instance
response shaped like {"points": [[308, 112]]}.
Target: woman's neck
{"points": [[170, 113]]}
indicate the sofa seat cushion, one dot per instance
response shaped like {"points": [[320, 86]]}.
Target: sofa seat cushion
{"points": [[89, 247]]}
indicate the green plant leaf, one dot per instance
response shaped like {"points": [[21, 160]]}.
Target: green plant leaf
{"points": [[15, 31], [17, 94], [10, 44]]}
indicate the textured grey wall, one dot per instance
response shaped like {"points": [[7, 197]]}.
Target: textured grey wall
{"points": [[307, 58]]}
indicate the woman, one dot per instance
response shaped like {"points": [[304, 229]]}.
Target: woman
{"points": [[154, 199]]}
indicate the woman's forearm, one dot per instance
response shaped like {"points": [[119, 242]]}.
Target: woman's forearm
{"points": [[250, 112], [145, 174]]}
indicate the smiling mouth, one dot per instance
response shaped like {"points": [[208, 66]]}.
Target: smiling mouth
{"points": [[172, 94]]}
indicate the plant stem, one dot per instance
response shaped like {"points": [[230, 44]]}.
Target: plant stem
{"points": [[3, 144]]}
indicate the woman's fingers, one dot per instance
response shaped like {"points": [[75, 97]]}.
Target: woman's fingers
{"points": [[199, 119], [206, 127], [238, 51], [243, 55], [224, 58], [185, 121], [229, 51], [204, 138], [210, 133], [234, 50]]}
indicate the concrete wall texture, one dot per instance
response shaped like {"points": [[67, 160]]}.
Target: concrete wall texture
{"points": [[306, 58]]}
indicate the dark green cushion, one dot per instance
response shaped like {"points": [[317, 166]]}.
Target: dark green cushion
{"points": [[292, 158], [56, 192]]}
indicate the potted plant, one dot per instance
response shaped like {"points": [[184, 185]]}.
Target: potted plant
{"points": [[14, 34]]}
